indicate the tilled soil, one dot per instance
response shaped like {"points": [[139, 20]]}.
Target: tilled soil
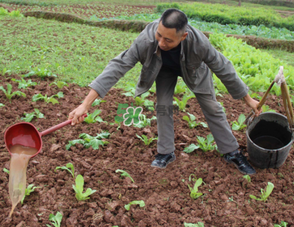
{"points": [[225, 200]]}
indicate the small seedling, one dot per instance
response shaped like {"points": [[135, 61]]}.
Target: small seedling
{"points": [[89, 141], [9, 94], [194, 194], [141, 203], [29, 116], [144, 121], [146, 140], [5, 170], [283, 224], [199, 224], [238, 126], [182, 103], [247, 177], [23, 83], [93, 117], [69, 167], [124, 174], [203, 144], [192, 121], [1, 105], [40, 72], [266, 108], [28, 191], [79, 188], [264, 193], [97, 102], [51, 99], [60, 84], [55, 219]]}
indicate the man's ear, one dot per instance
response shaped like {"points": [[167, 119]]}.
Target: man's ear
{"points": [[184, 36]]}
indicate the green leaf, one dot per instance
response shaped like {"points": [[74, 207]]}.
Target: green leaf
{"points": [[124, 174], [5, 170], [141, 203], [191, 148], [80, 183]]}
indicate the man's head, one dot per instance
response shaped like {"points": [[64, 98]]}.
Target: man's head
{"points": [[171, 29]]}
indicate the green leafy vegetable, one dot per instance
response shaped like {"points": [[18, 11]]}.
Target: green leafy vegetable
{"points": [[29, 116], [69, 167], [192, 121], [194, 194], [97, 102], [124, 174], [79, 188], [283, 224], [93, 117], [23, 83], [9, 94], [182, 103], [55, 219], [28, 191], [238, 126], [51, 99], [199, 224], [141, 203], [264, 193], [146, 140], [247, 177], [203, 144], [90, 141], [5, 170], [60, 84], [40, 72]]}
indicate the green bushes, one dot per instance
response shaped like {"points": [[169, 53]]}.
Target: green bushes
{"points": [[225, 14]]}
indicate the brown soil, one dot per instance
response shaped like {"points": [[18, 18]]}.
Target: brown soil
{"points": [[225, 200]]}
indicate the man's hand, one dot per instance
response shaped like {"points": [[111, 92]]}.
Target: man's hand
{"points": [[76, 114], [253, 104]]}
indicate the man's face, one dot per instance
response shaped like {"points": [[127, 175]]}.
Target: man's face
{"points": [[168, 38]]}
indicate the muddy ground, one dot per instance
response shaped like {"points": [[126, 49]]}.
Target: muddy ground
{"points": [[225, 200]]}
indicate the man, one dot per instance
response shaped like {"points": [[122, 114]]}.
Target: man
{"points": [[168, 48]]}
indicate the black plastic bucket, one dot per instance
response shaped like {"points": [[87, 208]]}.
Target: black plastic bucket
{"points": [[269, 140]]}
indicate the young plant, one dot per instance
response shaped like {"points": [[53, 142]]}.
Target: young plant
{"points": [[199, 224], [264, 193], [90, 141], [180, 87], [69, 167], [144, 121], [139, 101], [124, 174], [97, 102], [93, 117], [55, 219], [194, 194], [40, 72], [5, 170], [23, 83], [79, 188], [51, 99], [145, 139], [203, 144], [182, 103], [29, 116], [238, 126], [192, 121], [1, 105], [266, 108], [141, 203], [28, 191], [283, 224], [9, 94], [247, 177], [60, 84]]}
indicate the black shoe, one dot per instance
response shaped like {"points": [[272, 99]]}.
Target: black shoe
{"points": [[162, 160], [240, 161]]}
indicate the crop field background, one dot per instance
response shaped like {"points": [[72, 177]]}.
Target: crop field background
{"points": [[41, 58]]}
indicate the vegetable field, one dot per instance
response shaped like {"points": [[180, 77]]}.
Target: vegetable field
{"points": [[98, 173]]}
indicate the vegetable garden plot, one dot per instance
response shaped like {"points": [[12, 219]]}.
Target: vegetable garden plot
{"points": [[141, 195]]}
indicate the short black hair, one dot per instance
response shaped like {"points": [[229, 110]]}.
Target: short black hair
{"points": [[174, 18]]}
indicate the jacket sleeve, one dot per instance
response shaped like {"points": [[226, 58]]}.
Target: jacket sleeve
{"points": [[224, 70], [116, 69]]}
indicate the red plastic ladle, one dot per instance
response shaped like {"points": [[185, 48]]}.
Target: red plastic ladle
{"points": [[27, 135]]}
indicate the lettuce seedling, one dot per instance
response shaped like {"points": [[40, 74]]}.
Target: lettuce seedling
{"points": [[238, 126], [60, 84], [146, 140], [199, 224], [93, 117], [55, 219], [144, 121], [97, 102], [68, 165], [1, 105], [141, 203], [28, 191], [192, 121], [264, 193], [79, 188], [29, 116], [89, 141], [194, 194], [247, 177], [182, 103], [124, 174], [23, 83], [283, 224], [203, 144], [51, 99], [9, 94], [5, 170], [40, 72]]}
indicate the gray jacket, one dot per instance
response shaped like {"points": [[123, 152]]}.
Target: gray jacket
{"points": [[197, 57]]}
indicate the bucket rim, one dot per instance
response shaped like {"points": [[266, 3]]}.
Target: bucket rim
{"points": [[271, 150]]}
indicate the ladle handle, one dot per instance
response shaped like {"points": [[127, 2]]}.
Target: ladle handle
{"points": [[56, 127]]}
